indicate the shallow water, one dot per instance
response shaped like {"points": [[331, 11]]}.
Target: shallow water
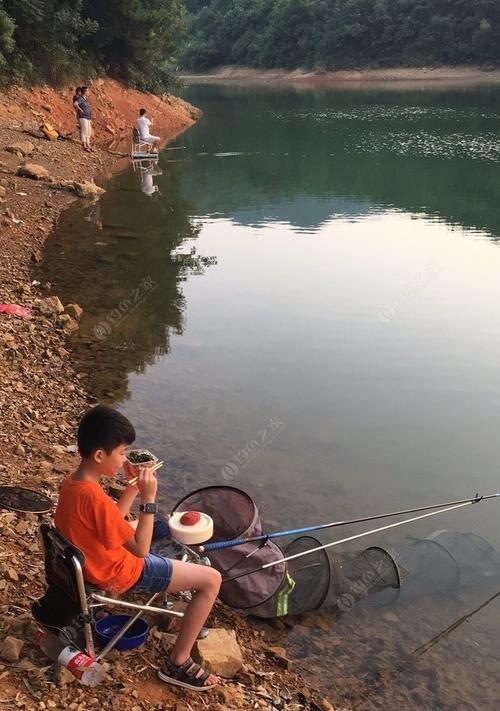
{"points": [[308, 309]]}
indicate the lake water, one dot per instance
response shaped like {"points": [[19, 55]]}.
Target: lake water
{"points": [[307, 308]]}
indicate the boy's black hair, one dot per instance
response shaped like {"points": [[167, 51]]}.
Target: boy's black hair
{"points": [[83, 89], [142, 112], [103, 428]]}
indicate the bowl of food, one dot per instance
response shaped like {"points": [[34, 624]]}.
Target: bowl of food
{"points": [[137, 458]]}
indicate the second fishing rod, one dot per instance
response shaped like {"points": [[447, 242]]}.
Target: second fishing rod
{"points": [[220, 545]]}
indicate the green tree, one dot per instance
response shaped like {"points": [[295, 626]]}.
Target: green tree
{"points": [[49, 38], [134, 39], [340, 33], [7, 43]]}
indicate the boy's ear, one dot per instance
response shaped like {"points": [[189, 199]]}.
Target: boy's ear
{"points": [[98, 456]]}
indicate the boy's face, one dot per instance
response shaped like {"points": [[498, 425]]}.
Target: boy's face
{"points": [[109, 464]]}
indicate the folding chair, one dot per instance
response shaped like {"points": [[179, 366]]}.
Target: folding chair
{"points": [[140, 147], [69, 603]]}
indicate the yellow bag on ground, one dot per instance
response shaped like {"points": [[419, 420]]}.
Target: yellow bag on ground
{"points": [[49, 131]]}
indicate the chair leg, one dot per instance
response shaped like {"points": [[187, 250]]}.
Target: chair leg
{"points": [[87, 628]]}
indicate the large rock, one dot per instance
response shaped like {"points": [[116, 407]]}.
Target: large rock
{"points": [[219, 653], [33, 171], [87, 189], [51, 306], [84, 189], [23, 148], [10, 649]]}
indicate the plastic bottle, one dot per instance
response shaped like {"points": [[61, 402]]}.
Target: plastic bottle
{"points": [[83, 667]]}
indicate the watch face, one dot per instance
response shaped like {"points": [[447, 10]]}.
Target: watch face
{"points": [[149, 508]]}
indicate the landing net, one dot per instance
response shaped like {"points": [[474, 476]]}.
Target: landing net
{"points": [[304, 584]]}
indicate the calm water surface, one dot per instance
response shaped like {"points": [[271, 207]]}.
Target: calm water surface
{"points": [[317, 275]]}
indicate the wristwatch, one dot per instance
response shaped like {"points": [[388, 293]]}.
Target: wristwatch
{"points": [[149, 508]]}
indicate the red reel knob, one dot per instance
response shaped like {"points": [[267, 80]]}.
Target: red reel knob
{"points": [[190, 518]]}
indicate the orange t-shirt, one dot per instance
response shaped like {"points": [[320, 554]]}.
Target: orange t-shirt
{"points": [[88, 518]]}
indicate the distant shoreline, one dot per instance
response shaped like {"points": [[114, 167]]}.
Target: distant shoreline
{"points": [[466, 76]]}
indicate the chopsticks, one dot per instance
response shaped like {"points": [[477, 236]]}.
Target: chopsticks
{"points": [[154, 468]]}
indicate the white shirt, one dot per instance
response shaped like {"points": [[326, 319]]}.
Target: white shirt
{"points": [[142, 125]]}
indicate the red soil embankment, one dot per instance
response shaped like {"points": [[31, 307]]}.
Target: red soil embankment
{"points": [[114, 109]]}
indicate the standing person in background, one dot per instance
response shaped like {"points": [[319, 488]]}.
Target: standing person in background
{"points": [[78, 92], [84, 115], [142, 125]]}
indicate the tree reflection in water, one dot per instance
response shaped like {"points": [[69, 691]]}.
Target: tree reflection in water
{"points": [[123, 261]]}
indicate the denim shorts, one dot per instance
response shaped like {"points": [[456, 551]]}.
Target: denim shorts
{"points": [[155, 576]]}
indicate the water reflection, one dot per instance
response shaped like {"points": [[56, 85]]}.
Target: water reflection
{"points": [[148, 170], [127, 280], [302, 157]]}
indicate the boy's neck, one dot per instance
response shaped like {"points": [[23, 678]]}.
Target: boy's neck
{"points": [[86, 471]]}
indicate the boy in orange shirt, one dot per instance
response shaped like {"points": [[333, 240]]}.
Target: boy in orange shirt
{"points": [[117, 557]]}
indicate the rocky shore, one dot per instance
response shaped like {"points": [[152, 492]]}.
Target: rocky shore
{"points": [[42, 395], [399, 77]]}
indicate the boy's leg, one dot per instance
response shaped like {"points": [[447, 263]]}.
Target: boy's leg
{"points": [[204, 582]]}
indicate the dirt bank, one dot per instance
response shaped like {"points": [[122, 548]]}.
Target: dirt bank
{"points": [[437, 75], [41, 398], [114, 110]]}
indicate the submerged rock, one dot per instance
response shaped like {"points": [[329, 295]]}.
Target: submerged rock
{"points": [[67, 323], [74, 311]]}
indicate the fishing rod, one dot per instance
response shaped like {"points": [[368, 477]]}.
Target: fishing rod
{"points": [[285, 559], [162, 97], [220, 545]]}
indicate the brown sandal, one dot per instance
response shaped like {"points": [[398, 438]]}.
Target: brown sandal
{"points": [[185, 675]]}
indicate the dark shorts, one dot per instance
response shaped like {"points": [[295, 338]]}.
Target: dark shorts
{"points": [[155, 576]]}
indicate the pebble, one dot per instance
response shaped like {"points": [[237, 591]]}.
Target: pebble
{"points": [[10, 648]]}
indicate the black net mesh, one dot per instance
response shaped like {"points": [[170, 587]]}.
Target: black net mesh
{"points": [[255, 588], [355, 576], [427, 567], [233, 512], [474, 556], [235, 516], [305, 583], [16, 498], [443, 562]]}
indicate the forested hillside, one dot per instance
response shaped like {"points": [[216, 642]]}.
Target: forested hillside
{"points": [[334, 34], [59, 40]]}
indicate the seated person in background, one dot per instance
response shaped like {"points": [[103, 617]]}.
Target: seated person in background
{"points": [[142, 125], [117, 557]]}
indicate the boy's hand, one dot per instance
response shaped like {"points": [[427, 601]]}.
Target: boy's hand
{"points": [[147, 484]]}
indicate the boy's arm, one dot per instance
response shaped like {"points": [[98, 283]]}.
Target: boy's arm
{"points": [[126, 500], [140, 544]]}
